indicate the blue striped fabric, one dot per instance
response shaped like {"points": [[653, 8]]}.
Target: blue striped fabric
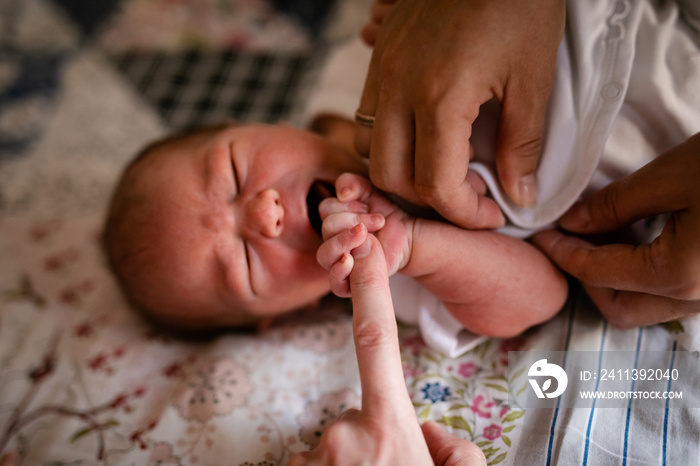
{"points": [[638, 434]]}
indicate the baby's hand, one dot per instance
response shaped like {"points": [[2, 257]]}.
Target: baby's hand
{"points": [[335, 255], [358, 210]]}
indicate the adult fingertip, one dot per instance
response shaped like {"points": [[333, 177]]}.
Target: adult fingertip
{"points": [[368, 33], [362, 250], [527, 191], [546, 239], [492, 213], [501, 220], [577, 218]]}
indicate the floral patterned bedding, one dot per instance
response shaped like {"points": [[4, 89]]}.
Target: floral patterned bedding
{"points": [[83, 378], [84, 381]]}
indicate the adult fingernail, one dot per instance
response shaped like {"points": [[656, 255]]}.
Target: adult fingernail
{"points": [[362, 250], [527, 189]]}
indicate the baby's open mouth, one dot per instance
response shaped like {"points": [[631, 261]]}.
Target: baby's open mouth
{"points": [[319, 191]]}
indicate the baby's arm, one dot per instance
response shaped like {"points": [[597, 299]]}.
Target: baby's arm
{"points": [[491, 283]]}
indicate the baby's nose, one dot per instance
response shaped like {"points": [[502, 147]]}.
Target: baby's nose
{"points": [[266, 214]]}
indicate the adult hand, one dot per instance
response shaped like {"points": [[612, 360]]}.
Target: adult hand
{"points": [[645, 284], [369, 31], [434, 63], [9, 459], [385, 431]]}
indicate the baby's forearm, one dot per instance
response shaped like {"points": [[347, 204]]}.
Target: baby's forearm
{"points": [[491, 283]]}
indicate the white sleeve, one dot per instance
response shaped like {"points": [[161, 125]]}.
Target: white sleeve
{"points": [[415, 305]]}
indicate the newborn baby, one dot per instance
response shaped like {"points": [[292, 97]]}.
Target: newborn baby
{"points": [[220, 228]]}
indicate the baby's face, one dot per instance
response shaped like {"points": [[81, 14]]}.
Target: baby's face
{"points": [[231, 232]]}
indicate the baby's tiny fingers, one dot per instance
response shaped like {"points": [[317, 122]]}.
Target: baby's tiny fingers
{"points": [[352, 187], [338, 276], [336, 223], [332, 205], [333, 249]]}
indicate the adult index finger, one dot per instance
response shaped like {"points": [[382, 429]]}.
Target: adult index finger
{"points": [[375, 332], [661, 186], [442, 154], [618, 266]]}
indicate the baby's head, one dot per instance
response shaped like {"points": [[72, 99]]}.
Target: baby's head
{"points": [[219, 227]]}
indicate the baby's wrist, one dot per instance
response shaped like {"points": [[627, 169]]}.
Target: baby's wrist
{"points": [[406, 244], [410, 265]]}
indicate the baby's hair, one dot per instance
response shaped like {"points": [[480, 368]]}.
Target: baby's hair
{"points": [[128, 212]]}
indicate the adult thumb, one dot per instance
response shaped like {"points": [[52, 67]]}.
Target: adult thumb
{"points": [[448, 450], [9, 459], [520, 144]]}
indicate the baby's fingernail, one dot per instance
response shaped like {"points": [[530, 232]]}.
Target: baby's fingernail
{"points": [[357, 229], [362, 250], [344, 258], [527, 188], [344, 193], [376, 219]]}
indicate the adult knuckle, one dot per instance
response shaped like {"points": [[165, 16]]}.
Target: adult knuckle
{"points": [[372, 280], [607, 207], [687, 290], [432, 195], [374, 335], [390, 66], [431, 100], [619, 317], [679, 275], [578, 265], [528, 148]]}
